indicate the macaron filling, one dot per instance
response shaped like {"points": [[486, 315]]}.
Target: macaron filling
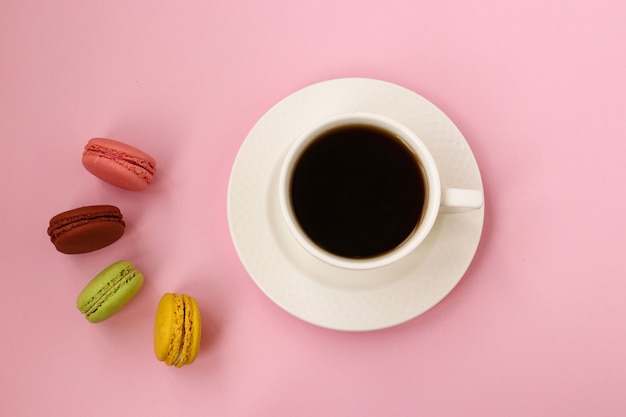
{"points": [[178, 348], [69, 223], [121, 158], [107, 291], [187, 332]]}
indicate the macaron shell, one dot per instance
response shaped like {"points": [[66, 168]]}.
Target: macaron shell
{"points": [[109, 291], [86, 229], [119, 164], [88, 237], [177, 330], [169, 318]]}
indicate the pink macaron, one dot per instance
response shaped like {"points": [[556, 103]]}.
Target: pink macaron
{"points": [[119, 164]]}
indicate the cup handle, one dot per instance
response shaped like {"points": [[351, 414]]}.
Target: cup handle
{"points": [[458, 200]]}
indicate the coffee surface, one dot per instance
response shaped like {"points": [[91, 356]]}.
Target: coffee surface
{"points": [[358, 191]]}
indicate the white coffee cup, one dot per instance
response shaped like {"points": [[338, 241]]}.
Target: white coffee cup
{"points": [[436, 200]]}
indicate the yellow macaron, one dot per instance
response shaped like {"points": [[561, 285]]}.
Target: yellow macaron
{"points": [[177, 330]]}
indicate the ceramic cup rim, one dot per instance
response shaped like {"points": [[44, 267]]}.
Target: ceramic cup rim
{"points": [[410, 139]]}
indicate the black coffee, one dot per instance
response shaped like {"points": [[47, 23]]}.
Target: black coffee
{"points": [[358, 191]]}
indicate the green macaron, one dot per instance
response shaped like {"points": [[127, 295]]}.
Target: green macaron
{"points": [[109, 291]]}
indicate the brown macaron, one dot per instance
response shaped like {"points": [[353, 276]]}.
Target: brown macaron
{"points": [[86, 229]]}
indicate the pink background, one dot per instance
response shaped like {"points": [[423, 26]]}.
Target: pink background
{"points": [[537, 327]]}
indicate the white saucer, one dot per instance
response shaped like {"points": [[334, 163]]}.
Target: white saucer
{"points": [[322, 294]]}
